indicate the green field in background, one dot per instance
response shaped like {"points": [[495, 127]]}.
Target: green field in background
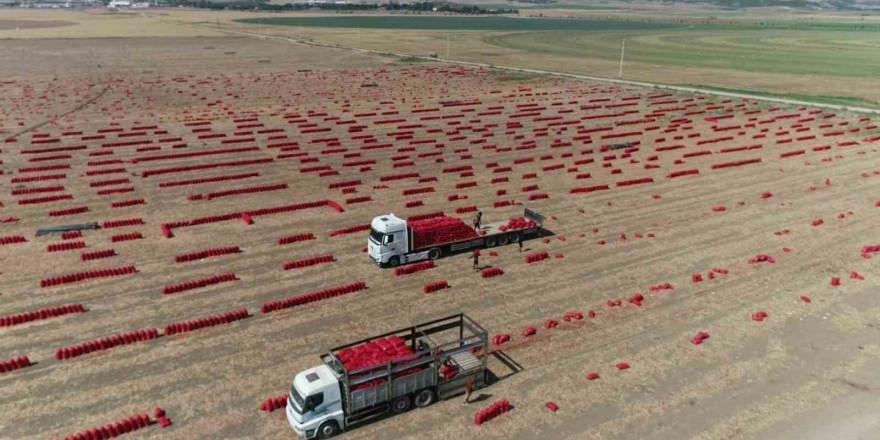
{"points": [[547, 6], [513, 23], [840, 53], [458, 23], [801, 48]]}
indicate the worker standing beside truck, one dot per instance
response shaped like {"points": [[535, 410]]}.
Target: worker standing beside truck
{"points": [[477, 220], [476, 258]]}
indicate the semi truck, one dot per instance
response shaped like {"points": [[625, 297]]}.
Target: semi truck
{"points": [[393, 240], [388, 374]]}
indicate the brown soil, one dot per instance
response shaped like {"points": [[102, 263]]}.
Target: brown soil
{"points": [[748, 380], [32, 24]]}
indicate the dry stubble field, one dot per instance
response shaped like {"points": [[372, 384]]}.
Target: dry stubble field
{"points": [[748, 380]]}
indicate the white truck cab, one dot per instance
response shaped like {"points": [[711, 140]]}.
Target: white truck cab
{"points": [[314, 404], [388, 240]]}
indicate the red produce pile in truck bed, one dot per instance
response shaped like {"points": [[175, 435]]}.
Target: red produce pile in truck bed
{"points": [[373, 352], [439, 230], [517, 223]]}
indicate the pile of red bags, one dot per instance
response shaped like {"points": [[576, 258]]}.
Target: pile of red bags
{"points": [[492, 411], [12, 239], [115, 429], [198, 283], [518, 223], [636, 299], [435, 286], [699, 337], [414, 267], [573, 316], [870, 248], [491, 272], [14, 364], [500, 338], [761, 258], [661, 286], [65, 246], [448, 371], [374, 352], [538, 256], [205, 253], [106, 343], [439, 230], [274, 403], [49, 312], [126, 237], [200, 323]]}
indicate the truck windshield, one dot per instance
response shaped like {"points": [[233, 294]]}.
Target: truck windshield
{"points": [[297, 398], [376, 236]]}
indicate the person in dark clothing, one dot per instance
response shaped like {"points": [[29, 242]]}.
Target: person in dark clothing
{"points": [[520, 245], [478, 219], [476, 258]]}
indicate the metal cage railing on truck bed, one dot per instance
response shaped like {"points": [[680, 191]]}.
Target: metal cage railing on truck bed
{"points": [[427, 353]]}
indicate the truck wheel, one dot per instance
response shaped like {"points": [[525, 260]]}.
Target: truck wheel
{"points": [[514, 238], [394, 261], [424, 398], [329, 429], [434, 253], [502, 240], [491, 242], [400, 405]]}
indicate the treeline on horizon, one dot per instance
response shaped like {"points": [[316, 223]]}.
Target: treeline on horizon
{"points": [[243, 5]]}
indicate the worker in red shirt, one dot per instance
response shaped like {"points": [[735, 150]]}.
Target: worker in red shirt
{"points": [[476, 258]]}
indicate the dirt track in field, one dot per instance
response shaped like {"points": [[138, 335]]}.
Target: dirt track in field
{"points": [[748, 380], [31, 24]]}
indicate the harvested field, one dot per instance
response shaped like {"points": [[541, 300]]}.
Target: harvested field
{"points": [[96, 60], [221, 185], [90, 23], [32, 24], [822, 61]]}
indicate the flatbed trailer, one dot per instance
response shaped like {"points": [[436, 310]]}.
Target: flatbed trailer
{"points": [[394, 253]]}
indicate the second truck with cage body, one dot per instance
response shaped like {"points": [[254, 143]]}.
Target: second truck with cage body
{"points": [[394, 240]]}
